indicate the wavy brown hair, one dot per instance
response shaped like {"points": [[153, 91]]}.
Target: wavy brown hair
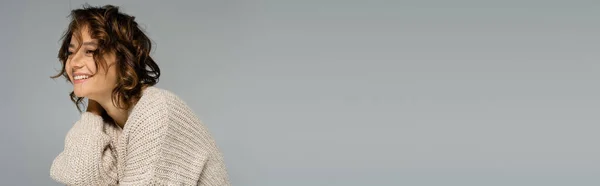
{"points": [[116, 33]]}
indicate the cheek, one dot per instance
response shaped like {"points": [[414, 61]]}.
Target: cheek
{"points": [[108, 78], [91, 66], [112, 76]]}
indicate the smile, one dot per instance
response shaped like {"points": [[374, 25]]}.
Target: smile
{"points": [[80, 77]]}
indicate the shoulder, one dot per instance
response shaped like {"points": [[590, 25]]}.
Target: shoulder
{"points": [[154, 98], [158, 101], [160, 112], [158, 104], [156, 114]]}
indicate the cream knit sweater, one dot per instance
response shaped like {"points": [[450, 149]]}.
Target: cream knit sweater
{"points": [[162, 143]]}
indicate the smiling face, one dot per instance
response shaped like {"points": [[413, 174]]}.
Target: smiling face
{"points": [[89, 79], [106, 56]]}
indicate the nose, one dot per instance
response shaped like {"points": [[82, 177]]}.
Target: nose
{"points": [[77, 60]]}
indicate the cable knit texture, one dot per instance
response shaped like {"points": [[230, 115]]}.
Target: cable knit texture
{"points": [[162, 143]]}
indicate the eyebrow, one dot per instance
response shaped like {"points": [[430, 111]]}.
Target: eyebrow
{"points": [[89, 43]]}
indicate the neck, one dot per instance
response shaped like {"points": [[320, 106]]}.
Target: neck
{"points": [[117, 114]]}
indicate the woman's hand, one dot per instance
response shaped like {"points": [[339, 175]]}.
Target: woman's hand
{"points": [[94, 107]]}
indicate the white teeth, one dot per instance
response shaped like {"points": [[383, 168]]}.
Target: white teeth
{"points": [[80, 77]]}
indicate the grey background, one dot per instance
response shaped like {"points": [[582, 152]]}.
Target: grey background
{"points": [[325, 92]]}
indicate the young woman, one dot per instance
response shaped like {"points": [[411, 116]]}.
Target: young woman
{"points": [[131, 132]]}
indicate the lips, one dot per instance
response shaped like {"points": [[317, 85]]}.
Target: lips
{"points": [[80, 77]]}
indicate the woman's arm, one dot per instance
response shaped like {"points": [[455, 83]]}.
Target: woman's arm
{"points": [[87, 158]]}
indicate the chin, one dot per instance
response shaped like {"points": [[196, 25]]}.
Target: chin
{"points": [[79, 93]]}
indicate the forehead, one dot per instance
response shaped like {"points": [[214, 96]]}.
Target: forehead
{"points": [[81, 34]]}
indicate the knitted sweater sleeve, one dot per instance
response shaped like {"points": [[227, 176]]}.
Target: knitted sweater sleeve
{"points": [[170, 147], [87, 157]]}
